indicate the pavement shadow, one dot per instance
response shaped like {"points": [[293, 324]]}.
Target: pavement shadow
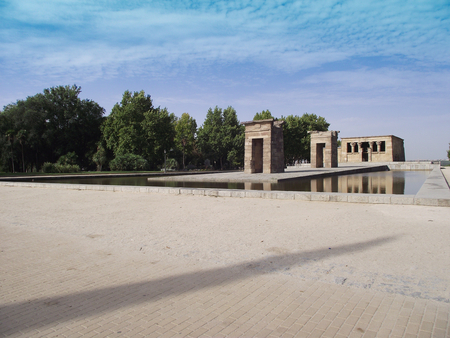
{"points": [[36, 313]]}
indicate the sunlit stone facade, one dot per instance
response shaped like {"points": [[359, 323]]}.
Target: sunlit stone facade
{"points": [[324, 149], [372, 149], [264, 150]]}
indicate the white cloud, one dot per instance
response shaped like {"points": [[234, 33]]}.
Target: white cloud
{"points": [[76, 36], [345, 60]]}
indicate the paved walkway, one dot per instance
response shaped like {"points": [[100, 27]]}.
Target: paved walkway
{"points": [[103, 264], [446, 173]]}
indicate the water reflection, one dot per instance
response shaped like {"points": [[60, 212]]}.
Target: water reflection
{"points": [[386, 182]]}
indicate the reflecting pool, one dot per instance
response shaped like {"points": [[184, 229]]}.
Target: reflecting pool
{"points": [[383, 182]]}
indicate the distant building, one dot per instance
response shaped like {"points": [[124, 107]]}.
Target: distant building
{"points": [[372, 149]]}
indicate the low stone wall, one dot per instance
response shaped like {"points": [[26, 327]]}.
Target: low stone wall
{"points": [[435, 191], [412, 165], [289, 195]]}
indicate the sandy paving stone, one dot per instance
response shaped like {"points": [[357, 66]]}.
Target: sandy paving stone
{"points": [[60, 278]]}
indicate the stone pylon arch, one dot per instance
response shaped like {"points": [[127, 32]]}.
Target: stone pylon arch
{"points": [[324, 149], [264, 150]]}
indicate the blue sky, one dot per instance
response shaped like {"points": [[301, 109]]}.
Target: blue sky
{"points": [[368, 67]]}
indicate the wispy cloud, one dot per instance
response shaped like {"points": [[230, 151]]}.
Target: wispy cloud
{"points": [[104, 38]]}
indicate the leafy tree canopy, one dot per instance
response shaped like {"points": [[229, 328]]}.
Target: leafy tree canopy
{"points": [[51, 124], [221, 138], [136, 127], [264, 115], [185, 133], [296, 138]]}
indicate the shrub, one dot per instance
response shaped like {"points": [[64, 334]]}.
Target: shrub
{"points": [[128, 162], [191, 167], [67, 168], [48, 167], [99, 157], [171, 163], [69, 158]]}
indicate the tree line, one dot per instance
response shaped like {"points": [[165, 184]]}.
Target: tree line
{"points": [[56, 130]]}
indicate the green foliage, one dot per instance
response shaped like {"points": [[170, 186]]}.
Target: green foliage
{"points": [[51, 124], [128, 162], [221, 138], [136, 127], [296, 138], [448, 154], [100, 157], [48, 167], [69, 158], [122, 129], [185, 131], [10, 136], [59, 168], [264, 115], [171, 164], [159, 126]]}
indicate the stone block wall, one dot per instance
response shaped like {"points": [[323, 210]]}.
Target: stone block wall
{"points": [[372, 149], [264, 150], [324, 149], [277, 147]]}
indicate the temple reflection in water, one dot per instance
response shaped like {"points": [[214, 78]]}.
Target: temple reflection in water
{"points": [[371, 183], [360, 184]]}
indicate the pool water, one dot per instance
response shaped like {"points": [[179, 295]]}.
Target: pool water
{"points": [[383, 182]]}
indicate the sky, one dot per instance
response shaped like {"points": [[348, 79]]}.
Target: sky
{"points": [[368, 67]]}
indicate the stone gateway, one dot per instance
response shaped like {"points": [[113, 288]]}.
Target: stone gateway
{"points": [[324, 149], [264, 150]]}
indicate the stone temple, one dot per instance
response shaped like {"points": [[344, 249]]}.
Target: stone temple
{"points": [[264, 150], [372, 149]]}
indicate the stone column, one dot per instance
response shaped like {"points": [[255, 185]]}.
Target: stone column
{"points": [[378, 146], [353, 144], [360, 151], [370, 150]]}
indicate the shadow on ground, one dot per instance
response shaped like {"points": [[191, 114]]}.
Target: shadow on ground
{"points": [[36, 313]]}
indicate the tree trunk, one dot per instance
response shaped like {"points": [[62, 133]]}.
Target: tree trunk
{"points": [[184, 167], [23, 161], [183, 143], [12, 159]]}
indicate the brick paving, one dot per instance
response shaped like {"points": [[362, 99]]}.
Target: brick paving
{"points": [[59, 285]]}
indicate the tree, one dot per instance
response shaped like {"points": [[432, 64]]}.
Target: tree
{"points": [[296, 138], [264, 115], [159, 128], [73, 124], [10, 134], [221, 138], [122, 129], [100, 157], [136, 127], [21, 136], [233, 137], [448, 154], [185, 131], [53, 124]]}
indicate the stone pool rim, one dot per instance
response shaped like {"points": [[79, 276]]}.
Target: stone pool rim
{"points": [[434, 192]]}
